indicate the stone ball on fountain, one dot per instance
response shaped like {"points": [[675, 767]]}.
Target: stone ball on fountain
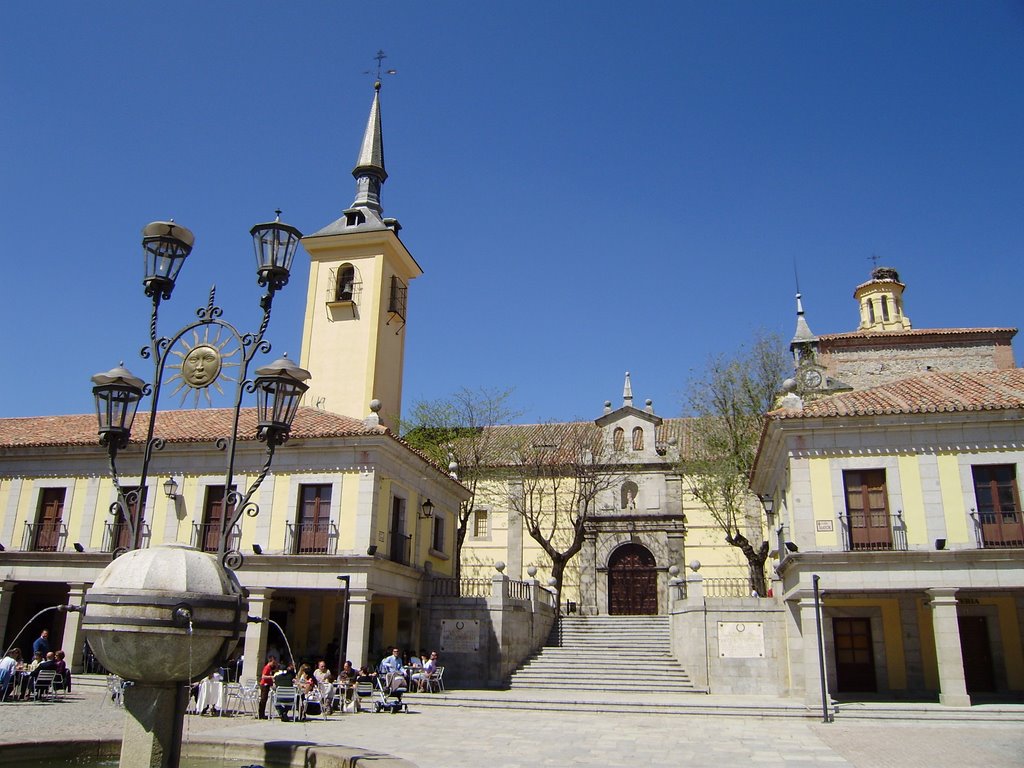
{"points": [[164, 614]]}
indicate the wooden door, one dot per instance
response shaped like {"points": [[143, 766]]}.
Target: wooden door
{"points": [[213, 518], [314, 519], [855, 657], [632, 581], [867, 510], [977, 654], [48, 525]]}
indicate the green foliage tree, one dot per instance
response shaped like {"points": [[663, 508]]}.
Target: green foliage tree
{"points": [[729, 399], [460, 429]]}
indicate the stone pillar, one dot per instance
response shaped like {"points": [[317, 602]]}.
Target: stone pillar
{"points": [[360, 602], [153, 728], [952, 684], [588, 575], [6, 596], [809, 655], [73, 641], [514, 536], [255, 649]]}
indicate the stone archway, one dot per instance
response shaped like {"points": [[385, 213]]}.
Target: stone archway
{"points": [[632, 581]]}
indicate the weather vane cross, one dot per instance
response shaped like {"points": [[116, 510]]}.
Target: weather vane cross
{"points": [[380, 63], [873, 258]]}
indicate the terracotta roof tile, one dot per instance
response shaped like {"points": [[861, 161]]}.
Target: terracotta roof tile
{"points": [[930, 393], [506, 439], [915, 332], [185, 426]]}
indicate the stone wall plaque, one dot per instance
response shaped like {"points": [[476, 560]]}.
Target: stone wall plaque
{"points": [[823, 525], [460, 635], [741, 639]]}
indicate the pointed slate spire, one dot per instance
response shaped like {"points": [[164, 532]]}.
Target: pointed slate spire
{"points": [[369, 172], [627, 393], [803, 331]]}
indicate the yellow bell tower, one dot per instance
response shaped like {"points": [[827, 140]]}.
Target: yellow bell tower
{"points": [[353, 335], [881, 302]]}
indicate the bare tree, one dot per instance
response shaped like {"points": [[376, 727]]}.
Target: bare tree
{"points": [[460, 429], [729, 399], [555, 478]]}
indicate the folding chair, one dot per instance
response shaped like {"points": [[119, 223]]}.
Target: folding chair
{"points": [[435, 683], [287, 698], [43, 684]]}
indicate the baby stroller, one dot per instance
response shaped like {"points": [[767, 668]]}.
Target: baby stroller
{"points": [[389, 691]]}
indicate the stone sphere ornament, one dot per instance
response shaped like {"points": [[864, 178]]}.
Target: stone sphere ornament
{"points": [[531, 571], [499, 566], [165, 614]]}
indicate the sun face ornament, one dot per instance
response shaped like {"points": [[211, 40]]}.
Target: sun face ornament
{"points": [[202, 363]]}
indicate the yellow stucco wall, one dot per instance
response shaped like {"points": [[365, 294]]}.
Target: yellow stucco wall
{"points": [[913, 500], [952, 499], [820, 477]]}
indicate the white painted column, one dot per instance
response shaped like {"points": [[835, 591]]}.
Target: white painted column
{"points": [[73, 640], [255, 649], [948, 653], [6, 596], [359, 626], [811, 660]]}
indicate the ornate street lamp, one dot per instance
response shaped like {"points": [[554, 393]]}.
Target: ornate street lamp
{"points": [[117, 393], [194, 360]]}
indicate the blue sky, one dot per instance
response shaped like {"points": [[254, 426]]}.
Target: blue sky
{"points": [[590, 187]]}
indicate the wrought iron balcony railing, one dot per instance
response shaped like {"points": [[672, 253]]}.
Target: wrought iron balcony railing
{"points": [[206, 537], [311, 539], [998, 530], [401, 544], [116, 536], [45, 537], [874, 532]]}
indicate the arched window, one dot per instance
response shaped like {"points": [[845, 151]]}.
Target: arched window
{"points": [[871, 311], [885, 308], [619, 439], [638, 438], [346, 283], [628, 494]]}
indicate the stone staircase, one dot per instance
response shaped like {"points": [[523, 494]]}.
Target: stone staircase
{"points": [[605, 653]]}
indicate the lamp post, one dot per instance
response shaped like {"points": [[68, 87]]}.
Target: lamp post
{"points": [[194, 359]]}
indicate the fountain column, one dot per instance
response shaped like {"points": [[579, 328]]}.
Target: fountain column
{"points": [[6, 595], [255, 650], [73, 637]]}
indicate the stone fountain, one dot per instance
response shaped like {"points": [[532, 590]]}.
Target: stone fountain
{"points": [[160, 617]]}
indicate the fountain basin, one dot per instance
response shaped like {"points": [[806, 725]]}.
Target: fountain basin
{"points": [[228, 754]]}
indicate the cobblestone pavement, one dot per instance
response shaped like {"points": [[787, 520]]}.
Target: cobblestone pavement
{"points": [[467, 737]]}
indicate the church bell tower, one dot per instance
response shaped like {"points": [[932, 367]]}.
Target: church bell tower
{"points": [[353, 335]]}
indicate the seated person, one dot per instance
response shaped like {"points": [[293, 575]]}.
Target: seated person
{"points": [[8, 666], [63, 671], [285, 678], [393, 671], [422, 679], [323, 677]]}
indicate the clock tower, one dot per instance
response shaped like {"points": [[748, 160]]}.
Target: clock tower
{"points": [[353, 335]]}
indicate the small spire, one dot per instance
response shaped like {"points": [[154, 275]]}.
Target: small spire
{"points": [[369, 172], [803, 331], [627, 393]]}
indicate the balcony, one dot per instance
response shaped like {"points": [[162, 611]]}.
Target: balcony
{"points": [[311, 539], [874, 532], [998, 530], [45, 537], [115, 536], [206, 537], [401, 545]]}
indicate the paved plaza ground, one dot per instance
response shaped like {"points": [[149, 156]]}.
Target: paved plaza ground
{"points": [[433, 736]]}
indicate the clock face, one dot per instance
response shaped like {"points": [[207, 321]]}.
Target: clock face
{"points": [[810, 378]]}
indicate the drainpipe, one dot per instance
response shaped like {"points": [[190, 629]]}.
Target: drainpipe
{"points": [[826, 717]]}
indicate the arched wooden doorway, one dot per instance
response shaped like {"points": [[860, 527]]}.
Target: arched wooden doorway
{"points": [[632, 581]]}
